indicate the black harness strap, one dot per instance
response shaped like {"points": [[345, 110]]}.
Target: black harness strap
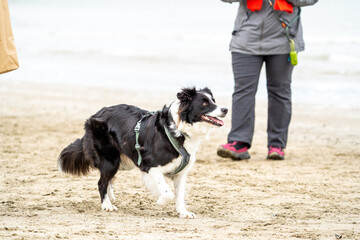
{"points": [[174, 142]]}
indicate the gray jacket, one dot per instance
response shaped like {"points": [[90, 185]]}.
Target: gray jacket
{"points": [[261, 32]]}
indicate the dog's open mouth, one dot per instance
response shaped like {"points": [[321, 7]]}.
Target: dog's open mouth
{"points": [[212, 120]]}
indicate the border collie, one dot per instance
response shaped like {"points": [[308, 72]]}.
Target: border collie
{"points": [[109, 145]]}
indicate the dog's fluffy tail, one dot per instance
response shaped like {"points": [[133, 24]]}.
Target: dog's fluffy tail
{"points": [[72, 160]]}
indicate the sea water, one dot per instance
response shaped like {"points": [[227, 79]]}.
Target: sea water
{"points": [[167, 45]]}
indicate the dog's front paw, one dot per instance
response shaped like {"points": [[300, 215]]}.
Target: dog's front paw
{"points": [[165, 198], [188, 215], [108, 207]]}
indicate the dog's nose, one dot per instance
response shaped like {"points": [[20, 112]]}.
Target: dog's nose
{"points": [[224, 110]]}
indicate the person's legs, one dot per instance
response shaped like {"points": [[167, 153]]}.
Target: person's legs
{"points": [[246, 69], [278, 74]]}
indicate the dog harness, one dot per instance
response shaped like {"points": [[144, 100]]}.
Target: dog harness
{"points": [[174, 142]]}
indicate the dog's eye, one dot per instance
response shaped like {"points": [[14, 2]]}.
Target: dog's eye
{"points": [[206, 102]]}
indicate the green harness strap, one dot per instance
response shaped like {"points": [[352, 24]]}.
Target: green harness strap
{"points": [[137, 133], [181, 150], [174, 142]]}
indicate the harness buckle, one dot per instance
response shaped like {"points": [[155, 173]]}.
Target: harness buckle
{"points": [[137, 127]]}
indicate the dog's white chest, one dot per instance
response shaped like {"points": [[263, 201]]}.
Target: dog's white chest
{"points": [[172, 166], [191, 146]]}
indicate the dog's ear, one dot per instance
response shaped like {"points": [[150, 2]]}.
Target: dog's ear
{"points": [[207, 90], [185, 97], [164, 111], [97, 124], [186, 94]]}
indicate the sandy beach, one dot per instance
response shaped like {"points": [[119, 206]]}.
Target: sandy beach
{"points": [[77, 56], [313, 194]]}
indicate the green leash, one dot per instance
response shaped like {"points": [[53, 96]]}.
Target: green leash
{"points": [[293, 53], [174, 142], [287, 25]]}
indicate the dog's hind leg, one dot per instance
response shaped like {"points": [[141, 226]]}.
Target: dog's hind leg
{"points": [[108, 171], [101, 146], [158, 185]]}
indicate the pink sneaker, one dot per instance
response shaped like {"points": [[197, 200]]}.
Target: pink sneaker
{"points": [[276, 153], [229, 151]]}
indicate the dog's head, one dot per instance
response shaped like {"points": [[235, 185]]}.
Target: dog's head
{"points": [[199, 106]]}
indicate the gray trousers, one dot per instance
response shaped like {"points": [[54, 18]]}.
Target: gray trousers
{"points": [[246, 69]]}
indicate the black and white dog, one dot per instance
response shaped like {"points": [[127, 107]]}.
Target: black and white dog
{"points": [[109, 145]]}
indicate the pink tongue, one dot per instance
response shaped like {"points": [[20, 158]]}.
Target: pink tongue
{"points": [[218, 121]]}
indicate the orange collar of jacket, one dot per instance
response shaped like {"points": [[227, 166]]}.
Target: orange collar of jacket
{"points": [[282, 5]]}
